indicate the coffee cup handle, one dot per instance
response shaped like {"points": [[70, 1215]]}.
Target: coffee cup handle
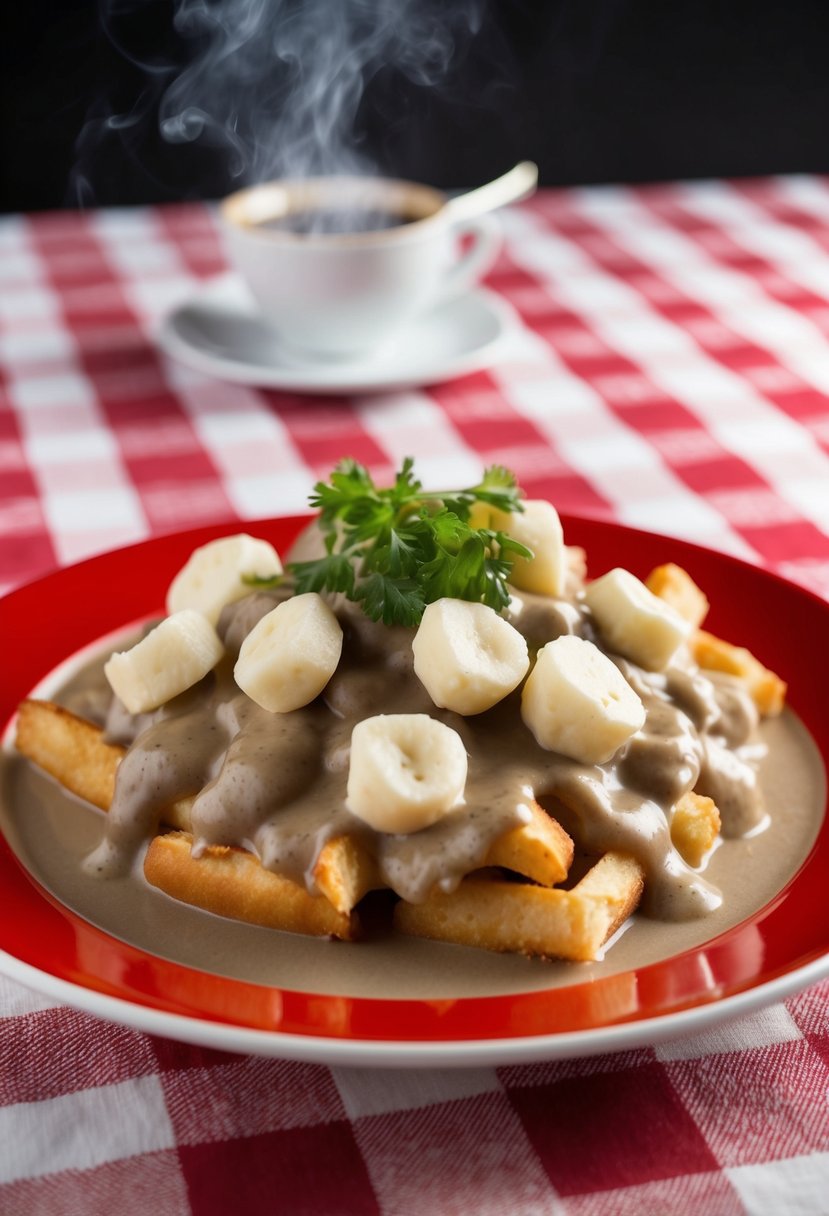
{"points": [[484, 233]]}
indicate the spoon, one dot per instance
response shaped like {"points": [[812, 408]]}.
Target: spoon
{"points": [[518, 183]]}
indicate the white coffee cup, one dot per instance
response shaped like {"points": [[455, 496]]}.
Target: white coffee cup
{"points": [[343, 295]]}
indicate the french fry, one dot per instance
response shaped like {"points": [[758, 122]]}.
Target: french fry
{"points": [[345, 871], [695, 825], [70, 749], [230, 882], [766, 688], [672, 584], [525, 919], [676, 587], [74, 752], [540, 850]]}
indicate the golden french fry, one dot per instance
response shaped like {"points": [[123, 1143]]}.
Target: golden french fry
{"points": [[695, 825], [520, 918], [540, 850], [676, 587], [74, 752], [672, 584], [231, 882], [70, 749], [766, 688], [345, 871]]}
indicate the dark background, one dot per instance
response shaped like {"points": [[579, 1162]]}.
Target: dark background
{"points": [[593, 90]]}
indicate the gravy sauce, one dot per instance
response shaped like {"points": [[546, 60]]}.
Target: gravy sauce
{"points": [[276, 783]]}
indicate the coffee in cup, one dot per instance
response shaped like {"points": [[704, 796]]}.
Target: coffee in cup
{"points": [[339, 265]]}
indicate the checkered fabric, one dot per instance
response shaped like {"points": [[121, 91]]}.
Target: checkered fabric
{"points": [[668, 368]]}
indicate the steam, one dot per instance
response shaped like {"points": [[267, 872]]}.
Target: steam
{"points": [[274, 87]]}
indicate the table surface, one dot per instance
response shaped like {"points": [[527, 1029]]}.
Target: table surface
{"points": [[668, 368]]}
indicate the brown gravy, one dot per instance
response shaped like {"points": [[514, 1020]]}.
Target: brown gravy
{"points": [[275, 783]]}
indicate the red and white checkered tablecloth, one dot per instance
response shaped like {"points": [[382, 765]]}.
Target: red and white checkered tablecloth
{"points": [[672, 372]]}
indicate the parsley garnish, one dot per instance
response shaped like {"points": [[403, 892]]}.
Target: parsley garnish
{"points": [[395, 550]]}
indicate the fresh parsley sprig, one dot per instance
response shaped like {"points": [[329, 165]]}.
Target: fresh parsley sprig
{"points": [[395, 550]]}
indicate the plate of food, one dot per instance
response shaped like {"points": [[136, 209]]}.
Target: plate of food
{"points": [[422, 779]]}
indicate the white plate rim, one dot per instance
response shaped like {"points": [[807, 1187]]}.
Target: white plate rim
{"points": [[377, 1053]]}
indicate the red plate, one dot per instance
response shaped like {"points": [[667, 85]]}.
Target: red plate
{"points": [[781, 948]]}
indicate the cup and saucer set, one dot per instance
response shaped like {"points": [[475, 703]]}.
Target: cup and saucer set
{"points": [[350, 285]]}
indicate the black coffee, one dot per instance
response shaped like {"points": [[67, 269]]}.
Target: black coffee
{"points": [[336, 220]]}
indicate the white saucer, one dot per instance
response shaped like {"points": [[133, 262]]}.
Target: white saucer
{"points": [[219, 331]]}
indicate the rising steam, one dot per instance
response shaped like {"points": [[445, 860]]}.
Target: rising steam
{"points": [[274, 87]]}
